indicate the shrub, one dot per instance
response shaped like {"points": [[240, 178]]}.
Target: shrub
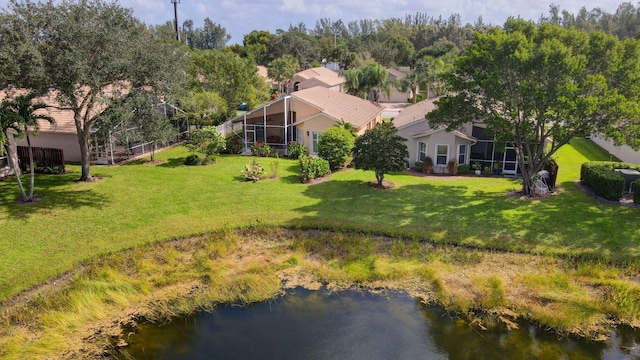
{"points": [[266, 150], [253, 172], [452, 166], [464, 169], [295, 150], [207, 141], [195, 160], [256, 147], [636, 192], [427, 165], [311, 168], [601, 178], [335, 146], [234, 145], [418, 166]]}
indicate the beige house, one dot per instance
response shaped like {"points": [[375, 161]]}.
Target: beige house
{"points": [[436, 143], [318, 76], [303, 116], [61, 135], [468, 145], [396, 95], [264, 73]]}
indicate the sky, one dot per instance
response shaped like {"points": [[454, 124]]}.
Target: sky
{"points": [[240, 17]]}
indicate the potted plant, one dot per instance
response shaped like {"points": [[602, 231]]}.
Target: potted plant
{"points": [[477, 167], [427, 165], [497, 168], [452, 166]]}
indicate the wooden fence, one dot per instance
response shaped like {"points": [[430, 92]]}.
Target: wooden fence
{"points": [[42, 157]]}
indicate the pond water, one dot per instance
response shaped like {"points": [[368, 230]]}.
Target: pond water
{"points": [[356, 325]]}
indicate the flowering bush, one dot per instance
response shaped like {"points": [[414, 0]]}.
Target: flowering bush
{"points": [[295, 150], [253, 172], [311, 168]]}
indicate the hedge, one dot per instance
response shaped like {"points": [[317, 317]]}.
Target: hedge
{"points": [[601, 178], [636, 192]]}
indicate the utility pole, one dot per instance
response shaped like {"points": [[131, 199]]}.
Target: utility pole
{"points": [[175, 21]]}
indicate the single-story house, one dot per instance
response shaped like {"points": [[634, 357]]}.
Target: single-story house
{"points": [[468, 145], [318, 76], [396, 95], [303, 116], [61, 135]]}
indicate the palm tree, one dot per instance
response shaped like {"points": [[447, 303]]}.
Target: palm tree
{"points": [[8, 122], [347, 126], [24, 109], [363, 81]]}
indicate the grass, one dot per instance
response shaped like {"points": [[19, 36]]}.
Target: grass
{"points": [[142, 203], [160, 281]]}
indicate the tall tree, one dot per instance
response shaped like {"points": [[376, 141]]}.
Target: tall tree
{"points": [[9, 122], [368, 82], [87, 68], [382, 150], [536, 87], [283, 69], [27, 113], [235, 79]]}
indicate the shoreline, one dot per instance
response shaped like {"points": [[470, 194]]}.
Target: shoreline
{"points": [[86, 311]]}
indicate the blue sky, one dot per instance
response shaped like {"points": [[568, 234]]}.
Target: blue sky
{"points": [[240, 17]]}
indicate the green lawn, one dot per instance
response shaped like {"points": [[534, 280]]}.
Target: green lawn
{"points": [[141, 203]]}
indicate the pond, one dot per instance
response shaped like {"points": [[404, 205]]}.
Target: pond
{"points": [[306, 324]]}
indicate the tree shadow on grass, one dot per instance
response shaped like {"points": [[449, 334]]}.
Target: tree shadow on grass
{"points": [[52, 191], [173, 163], [294, 178], [565, 224]]}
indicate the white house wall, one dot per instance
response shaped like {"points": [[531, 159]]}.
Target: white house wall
{"points": [[624, 153], [67, 142]]}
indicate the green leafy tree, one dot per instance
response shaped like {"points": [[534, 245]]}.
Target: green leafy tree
{"points": [[149, 124], [207, 141], [27, 113], [235, 79], [9, 122], [382, 150], [536, 87], [283, 69], [87, 67], [204, 106], [342, 124], [335, 146]]}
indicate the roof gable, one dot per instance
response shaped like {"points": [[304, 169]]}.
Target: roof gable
{"points": [[324, 75], [414, 113], [337, 105]]}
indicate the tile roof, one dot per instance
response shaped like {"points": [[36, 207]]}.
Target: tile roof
{"points": [[414, 113], [64, 122], [324, 75], [338, 105]]}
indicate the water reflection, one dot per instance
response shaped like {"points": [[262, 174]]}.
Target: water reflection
{"points": [[354, 325]]}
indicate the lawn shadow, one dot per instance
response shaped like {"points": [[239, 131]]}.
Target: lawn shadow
{"points": [[173, 163], [54, 192], [294, 178], [564, 224]]}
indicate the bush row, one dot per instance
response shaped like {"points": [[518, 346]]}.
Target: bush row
{"points": [[636, 192], [602, 179], [311, 168]]}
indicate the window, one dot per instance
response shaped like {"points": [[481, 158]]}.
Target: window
{"points": [[462, 154], [314, 141], [422, 150], [442, 154]]}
